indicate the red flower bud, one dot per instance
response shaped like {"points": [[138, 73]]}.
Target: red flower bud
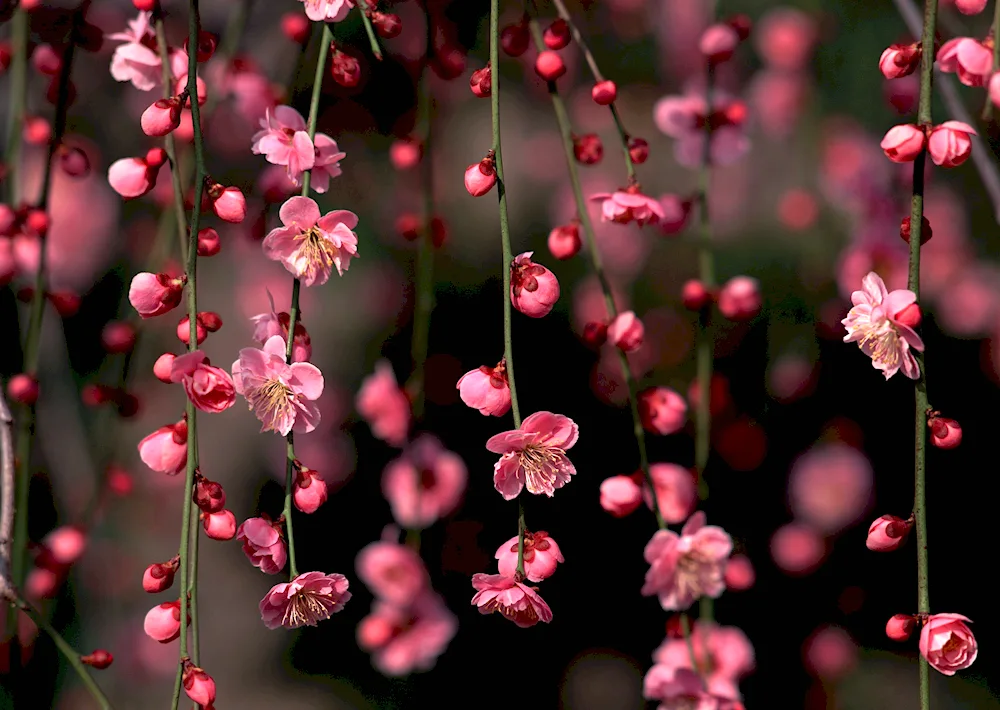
{"points": [[549, 65], [557, 35]]}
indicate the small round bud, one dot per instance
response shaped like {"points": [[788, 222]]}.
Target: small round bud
{"points": [[159, 576], [209, 495], [118, 337], [638, 150], [219, 526], [345, 69], [73, 161], [514, 39], [295, 26], [99, 659], [144, 5], [184, 331], [481, 82], [557, 35], [887, 533], [595, 334], [945, 433], [208, 242], [564, 241], [695, 296], [604, 92], [23, 389], [549, 65], [162, 367], [588, 149], [388, 25], [480, 177], [211, 320], [925, 230], [900, 627]]}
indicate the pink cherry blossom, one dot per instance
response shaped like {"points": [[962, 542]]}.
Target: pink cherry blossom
{"points": [[327, 162], [131, 177], [268, 324], [517, 602], [534, 289], [873, 323], [210, 388], [486, 389], [887, 533], [541, 556], [899, 60], [327, 10], [425, 484], [947, 643], [662, 410], [629, 205], [626, 332], [903, 143], [284, 140], [394, 573], [949, 144], [534, 455], [263, 544], [406, 639], [281, 395], [675, 491], [165, 450], [305, 601], [220, 525], [620, 495], [682, 689], [137, 60], [686, 567], [739, 298], [724, 652], [309, 491], [199, 686], [310, 245], [969, 58], [163, 622], [154, 294], [684, 119], [384, 405]]}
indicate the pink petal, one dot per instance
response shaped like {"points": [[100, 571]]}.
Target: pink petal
{"points": [[289, 118], [508, 441], [300, 212], [506, 476], [556, 429], [330, 220], [310, 379], [695, 523]]}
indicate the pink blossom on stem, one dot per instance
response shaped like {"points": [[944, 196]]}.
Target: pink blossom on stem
{"points": [[132, 177], [874, 324], [945, 433], [165, 450], [309, 491], [902, 144], [629, 205], [948, 643], [284, 140], [516, 601], [136, 60], [425, 484], [534, 456], [970, 7], [900, 626], [281, 395], [162, 117], [739, 298], [899, 60], [327, 162], [210, 388], [480, 177], [327, 10], [304, 601], [394, 573], [626, 332], [969, 58], [199, 686], [686, 567], [384, 405], [888, 533], [159, 576], [228, 203], [486, 389], [534, 289], [662, 410], [620, 495], [403, 639], [950, 144], [219, 526], [266, 325], [675, 491], [541, 556], [723, 653], [263, 544], [309, 245], [163, 622], [682, 689], [684, 119], [154, 294]]}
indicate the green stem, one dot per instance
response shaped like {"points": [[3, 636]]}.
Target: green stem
{"points": [[598, 78], [369, 30], [193, 589], [18, 73], [508, 255], [689, 642], [169, 144], [920, 387], [705, 355], [583, 215], [188, 556], [326, 38], [71, 655], [26, 423]]}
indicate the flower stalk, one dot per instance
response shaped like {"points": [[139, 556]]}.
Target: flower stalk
{"points": [[18, 73]]}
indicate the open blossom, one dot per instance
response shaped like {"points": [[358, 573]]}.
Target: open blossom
{"points": [[517, 602], [263, 544], [403, 639], [284, 140], [269, 324], [874, 323], [310, 245], [393, 572], [686, 567], [210, 388], [724, 652], [384, 405], [534, 455], [969, 58], [947, 643], [281, 395], [327, 162], [137, 60], [305, 601], [684, 118], [425, 484], [327, 10], [541, 556], [486, 389], [683, 689], [629, 205]]}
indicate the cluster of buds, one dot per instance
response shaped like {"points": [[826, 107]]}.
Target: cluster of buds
{"points": [[739, 299]]}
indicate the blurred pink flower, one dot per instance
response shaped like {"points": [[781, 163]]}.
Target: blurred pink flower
{"points": [[394, 573], [534, 455], [675, 491], [281, 395], [541, 556], [304, 601], [830, 487], [797, 549], [327, 10], [784, 38], [210, 388], [947, 643], [486, 389], [969, 58], [662, 410], [684, 119], [425, 484], [403, 639], [137, 60], [724, 652], [309, 245], [629, 205], [384, 405], [686, 567], [874, 324], [517, 602], [682, 689], [620, 495], [263, 544], [284, 140], [327, 162], [830, 653]]}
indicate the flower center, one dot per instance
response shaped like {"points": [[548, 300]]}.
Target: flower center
{"points": [[692, 568], [539, 463], [272, 400], [306, 608], [882, 340], [952, 645], [316, 250]]}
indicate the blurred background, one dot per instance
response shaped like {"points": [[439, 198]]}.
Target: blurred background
{"points": [[809, 443]]}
